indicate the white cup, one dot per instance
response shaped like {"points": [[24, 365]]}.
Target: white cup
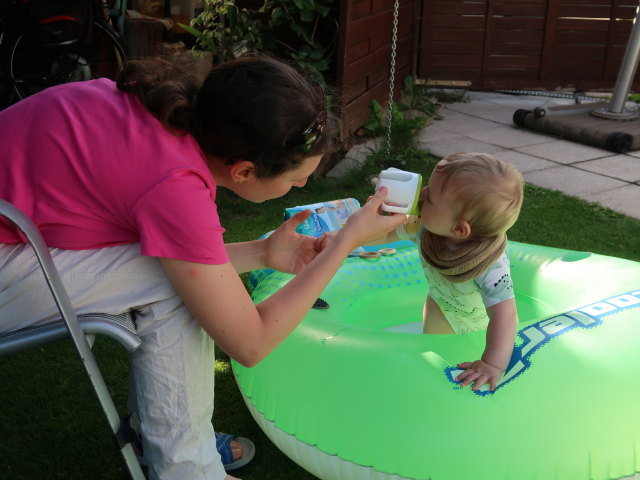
{"points": [[403, 190]]}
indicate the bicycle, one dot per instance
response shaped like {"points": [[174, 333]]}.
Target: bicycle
{"points": [[31, 64]]}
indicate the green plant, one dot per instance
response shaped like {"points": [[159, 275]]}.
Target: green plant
{"points": [[401, 136], [311, 23], [302, 30], [398, 147], [226, 30], [413, 98], [375, 125], [403, 129], [405, 124]]}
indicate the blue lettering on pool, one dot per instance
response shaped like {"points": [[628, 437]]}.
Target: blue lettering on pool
{"points": [[540, 333]]}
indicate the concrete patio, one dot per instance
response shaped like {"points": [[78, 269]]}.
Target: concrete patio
{"points": [[484, 124]]}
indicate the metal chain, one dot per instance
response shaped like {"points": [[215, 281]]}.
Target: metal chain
{"points": [[392, 72]]}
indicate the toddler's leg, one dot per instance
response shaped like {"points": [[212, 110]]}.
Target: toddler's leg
{"points": [[433, 320]]}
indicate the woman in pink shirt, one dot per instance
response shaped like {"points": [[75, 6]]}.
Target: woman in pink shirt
{"points": [[121, 180]]}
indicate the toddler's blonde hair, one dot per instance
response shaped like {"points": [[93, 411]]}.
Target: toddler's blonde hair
{"points": [[489, 191]]}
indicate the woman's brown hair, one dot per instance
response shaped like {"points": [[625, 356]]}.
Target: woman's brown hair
{"points": [[254, 107]]}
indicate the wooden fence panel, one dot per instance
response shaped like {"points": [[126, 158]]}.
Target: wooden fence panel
{"points": [[515, 44], [364, 58], [494, 44]]}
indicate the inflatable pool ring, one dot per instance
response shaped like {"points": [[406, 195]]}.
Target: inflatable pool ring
{"points": [[356, 392]]}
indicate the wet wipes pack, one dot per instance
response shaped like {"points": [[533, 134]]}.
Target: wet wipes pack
{"points": [[327, 216]]}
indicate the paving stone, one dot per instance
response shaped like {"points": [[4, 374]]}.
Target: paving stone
{"points": [[510, 137], [460, 143], [526, 163], [355, 157], [434, 132], [624, 200], [572, 181], [623, 167], [480, 109], [461, 123], [564, 151]]}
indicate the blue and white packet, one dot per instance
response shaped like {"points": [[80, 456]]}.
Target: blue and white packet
{"points": [[325, 217]]}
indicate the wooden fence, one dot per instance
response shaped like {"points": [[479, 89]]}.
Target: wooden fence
{"points": [[493, 44], [364, 54], [509, 44]]}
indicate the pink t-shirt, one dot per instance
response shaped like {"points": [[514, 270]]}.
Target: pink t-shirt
{"points": [[92, 168]]}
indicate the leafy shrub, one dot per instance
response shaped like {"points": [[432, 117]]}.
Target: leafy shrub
{"points": [[303, 30]]}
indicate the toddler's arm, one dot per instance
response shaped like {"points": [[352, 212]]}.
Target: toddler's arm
{"points": [[501, 332]]}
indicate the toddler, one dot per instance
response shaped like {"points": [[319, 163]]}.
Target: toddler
{"points": [[471, 200]]}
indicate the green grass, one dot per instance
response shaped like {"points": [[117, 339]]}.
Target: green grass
{"points": [[52, 428]]}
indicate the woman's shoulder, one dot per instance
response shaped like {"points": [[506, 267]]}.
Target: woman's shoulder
{"points": [[98, 90]]}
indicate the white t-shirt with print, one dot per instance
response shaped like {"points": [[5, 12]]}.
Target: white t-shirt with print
{"points": [[465, 304]]}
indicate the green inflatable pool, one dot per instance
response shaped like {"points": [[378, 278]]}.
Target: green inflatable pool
{"points": [[356, 392]]}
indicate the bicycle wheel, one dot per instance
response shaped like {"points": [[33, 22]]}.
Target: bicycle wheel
{"points": [[34, 67]]}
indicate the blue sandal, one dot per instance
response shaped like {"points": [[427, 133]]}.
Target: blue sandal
{"points": [[223, 444]]}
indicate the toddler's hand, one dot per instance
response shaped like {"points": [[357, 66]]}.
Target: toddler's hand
{"points": [[479, 372]]}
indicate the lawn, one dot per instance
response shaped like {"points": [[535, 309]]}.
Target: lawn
{"points": [[50, 423]]}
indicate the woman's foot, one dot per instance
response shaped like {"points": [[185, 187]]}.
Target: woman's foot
{"points": [[229, 477], [236, 450]]}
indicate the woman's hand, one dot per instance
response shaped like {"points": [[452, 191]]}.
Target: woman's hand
{"points": [[288, 251], [368, 225], [479, 372]]}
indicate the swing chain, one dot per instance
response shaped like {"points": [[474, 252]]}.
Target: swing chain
{"points": [[392, 73]]}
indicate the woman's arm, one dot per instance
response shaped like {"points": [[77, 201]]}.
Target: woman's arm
{"points": [[246, 256], [284, 250], [217, 298], [501, 333]]}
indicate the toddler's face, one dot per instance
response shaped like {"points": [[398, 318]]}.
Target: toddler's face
{"points": [[439, 209]]}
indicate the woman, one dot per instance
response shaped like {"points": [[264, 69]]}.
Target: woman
{"points": [[121, 180]]}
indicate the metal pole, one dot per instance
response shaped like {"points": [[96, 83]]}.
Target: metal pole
{"points": [[627, 72]]}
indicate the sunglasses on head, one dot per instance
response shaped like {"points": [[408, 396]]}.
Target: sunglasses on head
{"points": [[307, 139]]}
